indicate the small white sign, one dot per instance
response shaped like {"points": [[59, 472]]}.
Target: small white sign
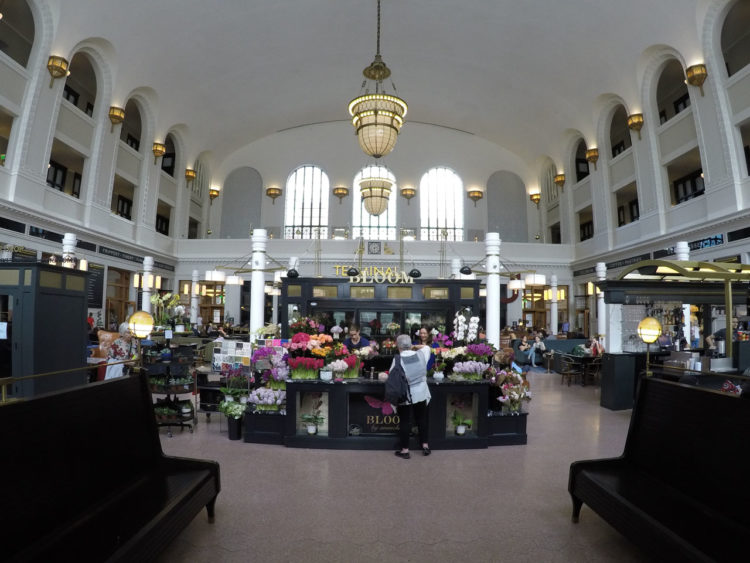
{"points": [[168, 335], [3, 331]]}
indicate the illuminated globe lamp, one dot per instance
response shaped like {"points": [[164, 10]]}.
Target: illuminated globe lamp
{"points": [[140, 324], [649, 330]]}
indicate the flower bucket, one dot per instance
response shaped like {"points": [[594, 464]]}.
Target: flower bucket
{"points": [[312, 429], [438, 376], [234, 428], [460, 430], [326, 375]]}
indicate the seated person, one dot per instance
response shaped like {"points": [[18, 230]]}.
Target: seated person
{"points": [[355, 340], [525, 351]]}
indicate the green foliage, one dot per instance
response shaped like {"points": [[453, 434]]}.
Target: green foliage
{"points": [[232, 409], [459, 419]]}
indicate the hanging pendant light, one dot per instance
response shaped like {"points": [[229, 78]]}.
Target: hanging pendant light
{"points": [[375, 188], [377, 116]]}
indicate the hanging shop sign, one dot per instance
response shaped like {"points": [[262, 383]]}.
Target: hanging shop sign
{"points": [[374, 274]]}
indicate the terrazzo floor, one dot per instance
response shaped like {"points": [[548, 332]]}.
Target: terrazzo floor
{"points": [[506, 503]]}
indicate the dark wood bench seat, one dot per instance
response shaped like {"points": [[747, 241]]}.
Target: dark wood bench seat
{"points": [[86, 479], [675, 491]]}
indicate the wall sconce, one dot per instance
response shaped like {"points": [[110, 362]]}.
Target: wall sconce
{"points": [[696, 75], [213, 193], [559, 181], [339, 191], [536, 197], [146, 281], [475, 195], [592, 155], [57, 67], [190, 174], [273, 192], [116, 116], [408, 192], [635, 123], [159, 149]]}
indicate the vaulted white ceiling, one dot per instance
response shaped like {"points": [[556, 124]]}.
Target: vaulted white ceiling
{"points": [[517, 73]]}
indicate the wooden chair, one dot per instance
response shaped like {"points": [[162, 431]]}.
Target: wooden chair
{"points": [[592, 370], [570, 369]]}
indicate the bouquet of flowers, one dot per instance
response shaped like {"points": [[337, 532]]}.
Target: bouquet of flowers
{"points": [[347, 367], [393, 327], [462, 330], [304, 368], [479, 351], [375, 325], [514, 390], [306, 325], [366, 352], [470, 369], [336, 330], [276, 376], [266, 399], [164, 307]]}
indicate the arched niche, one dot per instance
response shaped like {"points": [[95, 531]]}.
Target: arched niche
{"points": [[506, 206], [241, 200]]}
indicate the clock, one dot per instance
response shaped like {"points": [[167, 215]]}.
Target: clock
{"points": [[373, 247]]}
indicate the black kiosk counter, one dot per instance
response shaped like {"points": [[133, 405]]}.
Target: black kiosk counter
{"points": [[355, 417]]}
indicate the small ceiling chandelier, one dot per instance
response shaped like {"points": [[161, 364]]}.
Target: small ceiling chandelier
{"points": [[377, 116]]}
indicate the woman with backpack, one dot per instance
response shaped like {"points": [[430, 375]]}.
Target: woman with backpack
{"points": [[413, 360]]}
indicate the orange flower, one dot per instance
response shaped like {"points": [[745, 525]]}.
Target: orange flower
{"points": [[324, 338]]}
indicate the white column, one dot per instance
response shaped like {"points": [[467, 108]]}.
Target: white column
{"points": [[275, 305], [601, 309], [257, 281], [553, 304], [69, 250], [682, 252], [455, 267], [492, 329], [148, 276], [194, 297]]}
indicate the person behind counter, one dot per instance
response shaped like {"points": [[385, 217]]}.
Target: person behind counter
{"points": [[721, 334], [424, 337], [355, 340], [414, 361]]}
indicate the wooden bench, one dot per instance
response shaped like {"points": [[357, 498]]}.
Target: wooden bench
{"points": [[678, 490], [84, 477]]}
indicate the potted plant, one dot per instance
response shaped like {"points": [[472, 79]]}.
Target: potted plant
{"points": [[312, 420], [234, 411], [460, 422]]}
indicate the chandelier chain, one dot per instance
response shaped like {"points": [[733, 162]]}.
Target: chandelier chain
{"points": [[378, 41]]}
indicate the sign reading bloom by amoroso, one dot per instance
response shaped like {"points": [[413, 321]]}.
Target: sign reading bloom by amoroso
{"points": [[375, 274]]}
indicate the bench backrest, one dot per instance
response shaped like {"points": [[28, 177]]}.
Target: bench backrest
{"points": [[696, 440], [64, 452]]}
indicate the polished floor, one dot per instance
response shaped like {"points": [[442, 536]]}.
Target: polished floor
{"points": [[505, 503]]}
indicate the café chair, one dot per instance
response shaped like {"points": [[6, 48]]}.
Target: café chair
{"points": [[571, 369]]}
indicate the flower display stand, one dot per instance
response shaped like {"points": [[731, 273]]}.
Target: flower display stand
{"points": [[506, 429], [265, 427]]}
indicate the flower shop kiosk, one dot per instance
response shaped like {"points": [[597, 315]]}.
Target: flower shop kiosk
{"points": [[299, 407]]}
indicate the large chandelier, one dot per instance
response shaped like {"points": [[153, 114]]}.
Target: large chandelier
{"points": [[377, 116], [375, 188]]}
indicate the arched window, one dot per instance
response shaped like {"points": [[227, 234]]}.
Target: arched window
{"points": [[306, 206], [672, 95], [16, 31], [378, 227], [80, 85], [441, 205], [619, 134], [582, 165], [735, 38]]}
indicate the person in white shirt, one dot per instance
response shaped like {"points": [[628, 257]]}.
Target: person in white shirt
{"points": [[414, 361]]}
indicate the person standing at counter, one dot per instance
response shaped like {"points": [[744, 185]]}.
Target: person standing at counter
{"points": [[721, 334], [414, 361], [355, 341]]}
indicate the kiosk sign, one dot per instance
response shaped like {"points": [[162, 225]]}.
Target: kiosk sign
{"points": [[375, 274]]}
